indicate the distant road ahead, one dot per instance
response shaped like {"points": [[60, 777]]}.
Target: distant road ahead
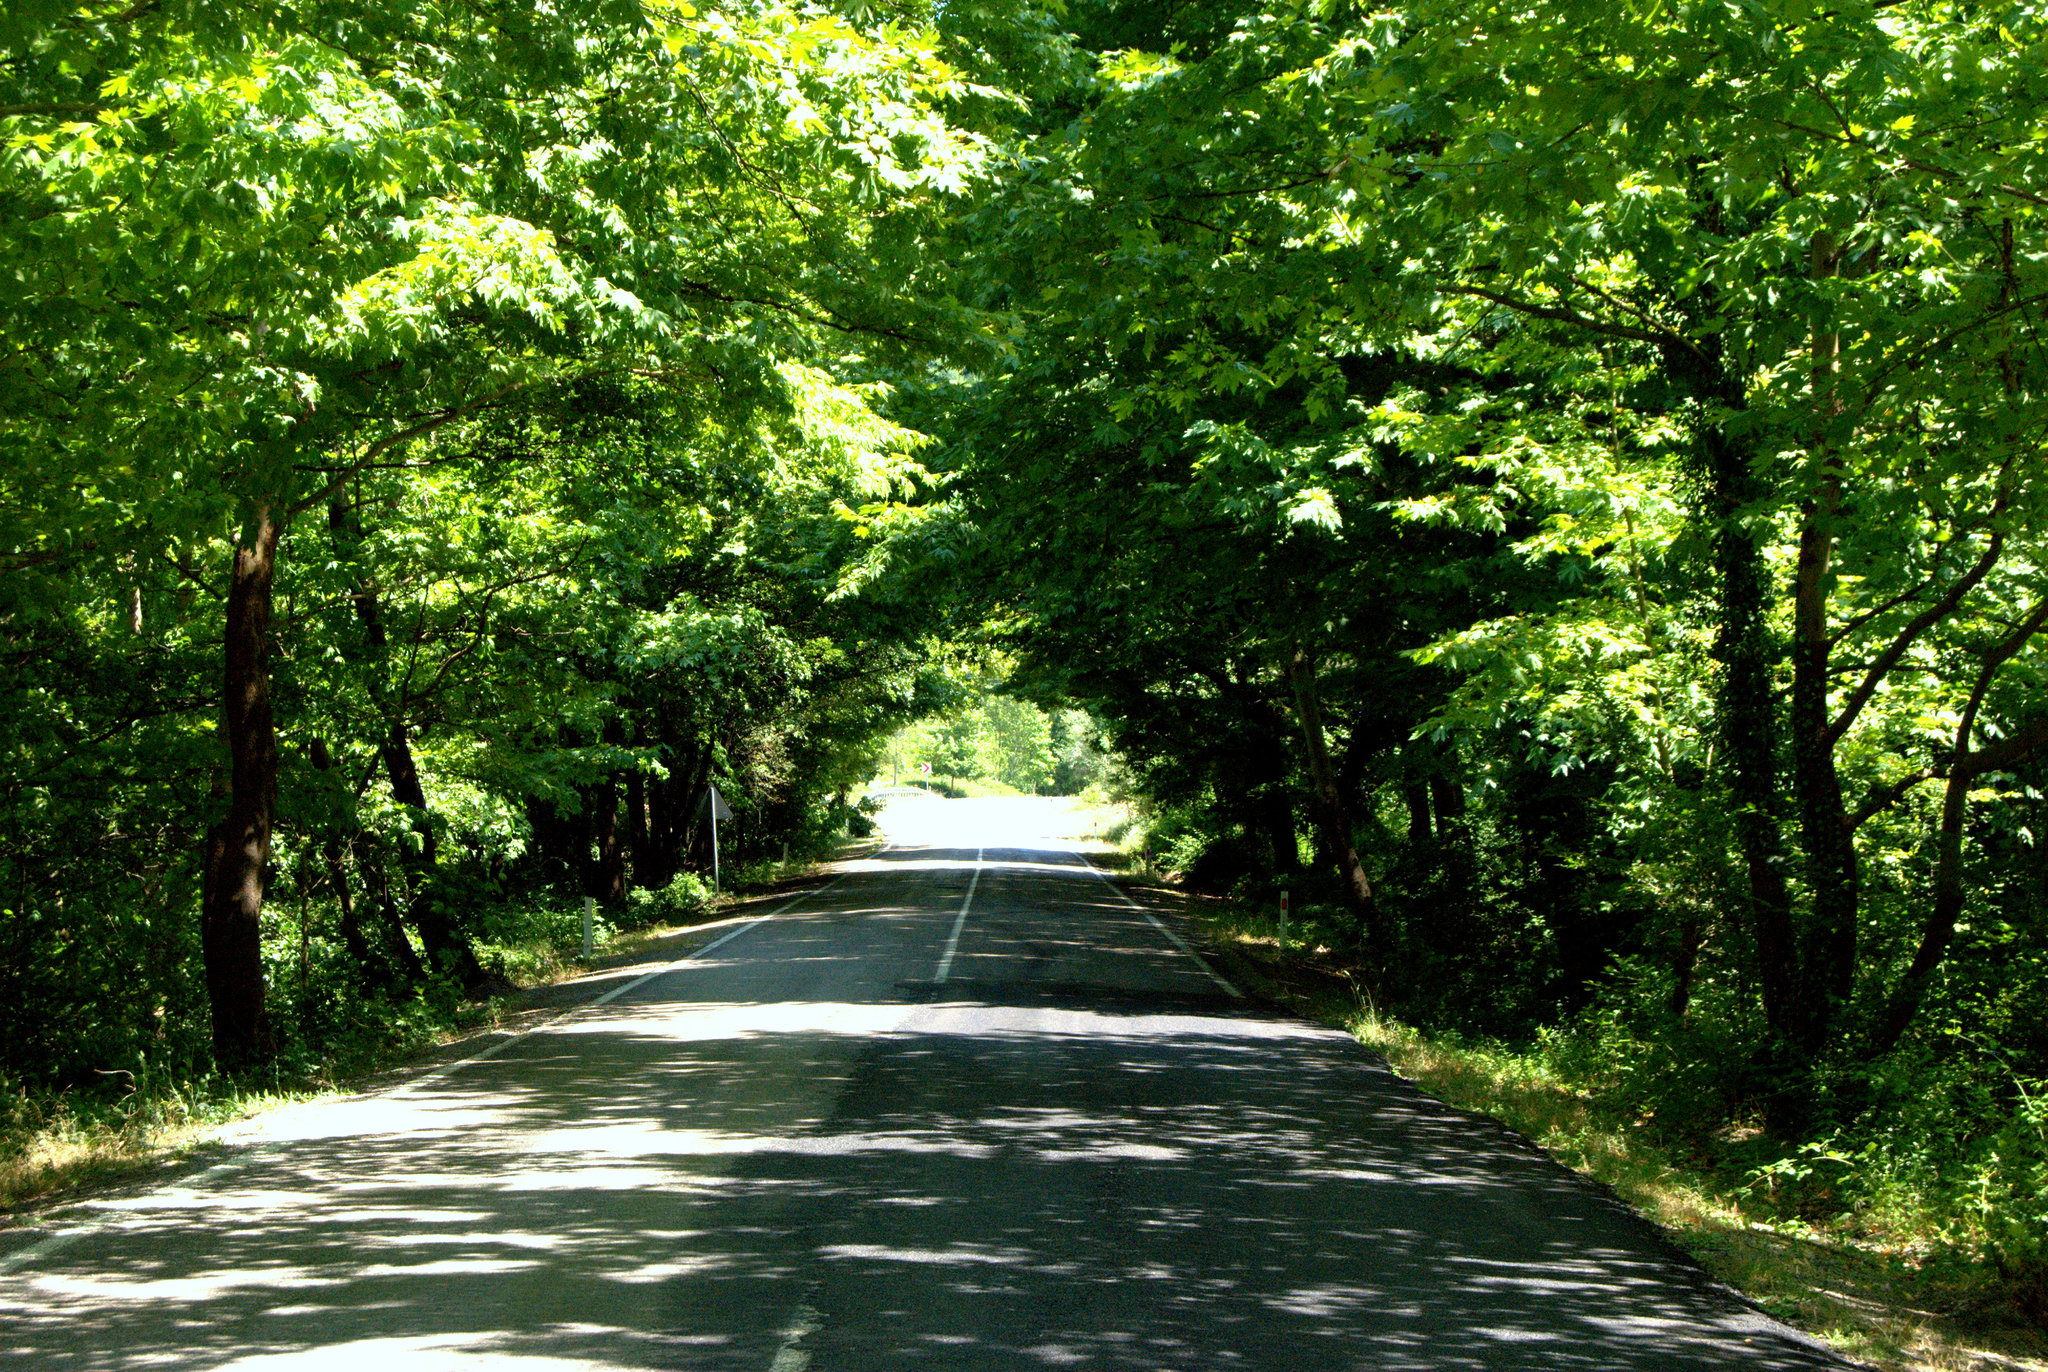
{"points": [[872, 1133]]}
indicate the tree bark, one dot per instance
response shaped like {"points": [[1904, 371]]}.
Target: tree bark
{"points": [[2026, 745], [238, 848], [606, 878], [1276, 813], [397, 951], [1447, 798], [370, 969], [1416, 796], [1334, 814], [351, 926], [1746, 708], [1685, 961], [1824, 955], [447, 950], [636, 819]]}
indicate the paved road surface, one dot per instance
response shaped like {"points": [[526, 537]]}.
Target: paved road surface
{"points": [[810, 1147]]}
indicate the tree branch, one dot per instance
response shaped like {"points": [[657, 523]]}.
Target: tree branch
{"points": [[1910, 634], [1567, 315]]}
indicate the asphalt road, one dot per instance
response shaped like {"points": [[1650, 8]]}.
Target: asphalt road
{"points": [[846, 1138]]}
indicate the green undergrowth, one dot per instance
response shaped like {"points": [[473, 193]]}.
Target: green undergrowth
{"points": [[1888, 1269]]}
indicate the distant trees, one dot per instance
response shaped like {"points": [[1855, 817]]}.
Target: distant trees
{"points": [[1001, 739]]}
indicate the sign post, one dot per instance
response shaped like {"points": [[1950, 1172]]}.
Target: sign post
{"points": [[715, 803], [589, 909], [1283, 921]]}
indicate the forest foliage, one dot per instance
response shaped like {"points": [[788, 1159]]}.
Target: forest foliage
{"points": [[1556, 488]]}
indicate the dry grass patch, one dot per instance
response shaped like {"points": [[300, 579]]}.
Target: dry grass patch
{"points": [[60, 1147]]}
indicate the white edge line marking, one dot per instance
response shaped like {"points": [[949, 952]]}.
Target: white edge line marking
{"points": [[64, 1238], [1178, 941], [609, 996], [789, 1358], [953, 943]]}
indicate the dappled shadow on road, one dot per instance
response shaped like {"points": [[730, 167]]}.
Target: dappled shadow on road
{"points": [[981, 1174]]}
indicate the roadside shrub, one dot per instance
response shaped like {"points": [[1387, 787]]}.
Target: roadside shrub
{"points": [[683, 897]]}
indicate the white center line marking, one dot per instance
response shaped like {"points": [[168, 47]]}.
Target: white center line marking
{"points": [[953, 943], [1178, 941]]}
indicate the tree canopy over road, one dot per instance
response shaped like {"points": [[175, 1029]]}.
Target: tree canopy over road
{"points": [[1558, 488]]}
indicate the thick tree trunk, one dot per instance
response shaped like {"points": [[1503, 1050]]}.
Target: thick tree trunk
{"points": [[1825, 952], [1453, 831], [1334, 814], [554, 840], [238, 849], [1747, 706], [684, 791], [1276, 815]]}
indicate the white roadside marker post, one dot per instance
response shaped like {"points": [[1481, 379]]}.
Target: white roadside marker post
{"points": [[1283, 921], [589, 913]]}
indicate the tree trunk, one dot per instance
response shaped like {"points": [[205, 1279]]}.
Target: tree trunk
{"points": [[1965, 766], [1276, 815], [447, 950], [1447, 798], [1335, 816], [373, 971], [238, 848], [369, 968], [1824, 964], [1940, 929], [554, 841], [1747, 715], [397, 951], [1685, 961], [1415, 793], [607, 872], [636, 820]]}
